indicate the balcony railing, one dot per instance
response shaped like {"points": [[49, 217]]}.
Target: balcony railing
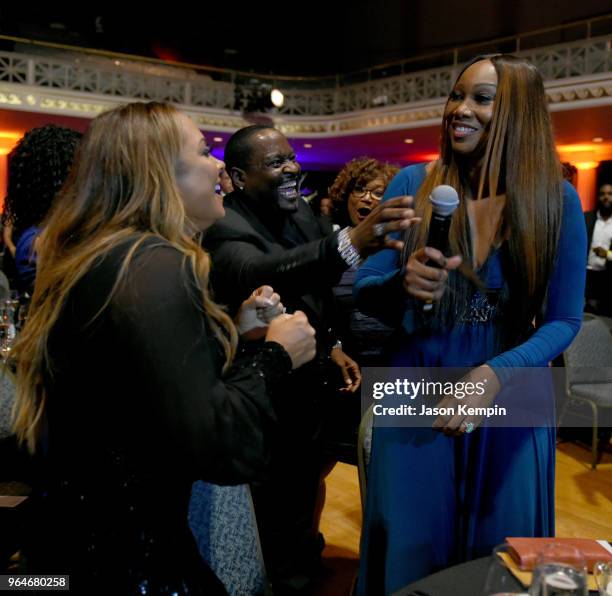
{"points": [[133, 79]]}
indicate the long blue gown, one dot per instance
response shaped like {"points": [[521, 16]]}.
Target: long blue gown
{"points": [[432, 500]]}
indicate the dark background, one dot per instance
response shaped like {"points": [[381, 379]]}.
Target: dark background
{"points": [[313, 38]]}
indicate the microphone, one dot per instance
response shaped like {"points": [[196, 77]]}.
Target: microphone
{"points": [[444, 200]]}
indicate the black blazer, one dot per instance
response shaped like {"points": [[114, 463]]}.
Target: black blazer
{"points": [[246, 254]]}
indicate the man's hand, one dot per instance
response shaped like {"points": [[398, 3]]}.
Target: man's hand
{"points": [[601, 252], [371, 235]]}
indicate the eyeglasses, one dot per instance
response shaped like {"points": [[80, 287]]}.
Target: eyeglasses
{"points": [[376, 194]]}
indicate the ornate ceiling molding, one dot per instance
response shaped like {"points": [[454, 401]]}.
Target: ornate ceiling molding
{"points": [[578, 74]]}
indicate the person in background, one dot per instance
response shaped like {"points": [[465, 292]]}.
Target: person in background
{"points": [[355, 192], [322, 208], [131, 383], [569, 172], [38, 167], [270, 233], [325, 206], [225, 183], [7, 236], [509, 297], [8, 251], [599, 258]]}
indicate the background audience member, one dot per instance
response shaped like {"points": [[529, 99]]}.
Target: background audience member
{"points": [[569, 172], [356, 191], [599, 258], [225, 183], [325, 206], [131, 384], [8, 250], [38, 166], [322, 208]]}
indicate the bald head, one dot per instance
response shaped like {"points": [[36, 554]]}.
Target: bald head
{"points": [[239, 148]]}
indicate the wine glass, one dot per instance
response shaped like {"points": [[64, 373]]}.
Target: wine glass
{"points": [[602, 572], [500, 581], [560, 571]]}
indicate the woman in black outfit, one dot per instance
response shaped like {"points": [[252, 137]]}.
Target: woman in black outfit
{"points": [[131, 381]]}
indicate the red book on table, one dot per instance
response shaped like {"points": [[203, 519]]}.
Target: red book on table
{"points": [[525, 551]]}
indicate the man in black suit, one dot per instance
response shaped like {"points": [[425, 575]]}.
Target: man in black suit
{"points": [[269, 235], [599, 259]]}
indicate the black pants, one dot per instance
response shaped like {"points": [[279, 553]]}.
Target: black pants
{"points": [[286, 499], [285, 506]]}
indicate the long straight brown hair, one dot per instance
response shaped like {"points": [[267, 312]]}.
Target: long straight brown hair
{"points": [[122, 184], [520, 160]]}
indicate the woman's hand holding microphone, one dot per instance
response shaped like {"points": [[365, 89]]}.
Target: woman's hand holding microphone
{"points": [[426, 282]]}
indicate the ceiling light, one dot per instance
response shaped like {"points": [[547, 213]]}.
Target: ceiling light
{"points": [[597, 139], [586, 165], [256, 97], [307, 146], [8, 141], [277, 98], [408, 141], [218, 139]]}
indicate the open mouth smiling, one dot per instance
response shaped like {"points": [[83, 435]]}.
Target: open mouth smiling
{"points": [[461, 130], [289, 190]]}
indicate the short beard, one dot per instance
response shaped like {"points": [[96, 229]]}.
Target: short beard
{"points": [[605, 210]]}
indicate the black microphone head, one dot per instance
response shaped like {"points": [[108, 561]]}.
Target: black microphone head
{"points": [[444, 200]]}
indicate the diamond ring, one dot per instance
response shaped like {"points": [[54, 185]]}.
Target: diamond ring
{"points": [[468, 427], [379, 230]]}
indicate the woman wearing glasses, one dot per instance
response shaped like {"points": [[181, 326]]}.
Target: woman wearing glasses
{"points": [[438, 496], [356, 191]]}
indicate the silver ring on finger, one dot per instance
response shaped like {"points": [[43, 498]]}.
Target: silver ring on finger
{"points": [[379, 230], [468, 427]]}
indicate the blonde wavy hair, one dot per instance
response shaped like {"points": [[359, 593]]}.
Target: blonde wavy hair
{"points": [[122, 183]]}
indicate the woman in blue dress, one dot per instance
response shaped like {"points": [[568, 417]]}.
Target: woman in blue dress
{"points": [[510, 297]]}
